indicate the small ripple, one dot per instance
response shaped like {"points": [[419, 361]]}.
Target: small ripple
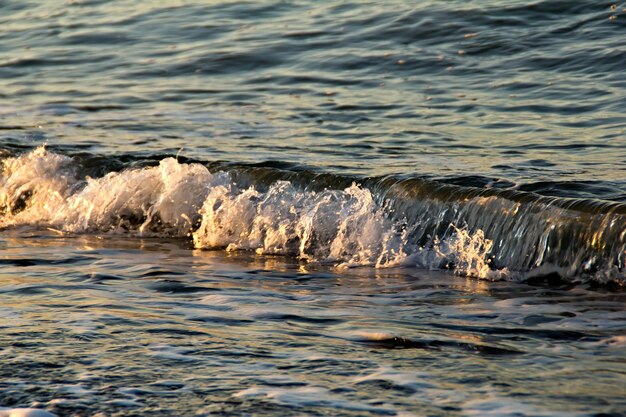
{"points": [[177, 287], [24, 262]]}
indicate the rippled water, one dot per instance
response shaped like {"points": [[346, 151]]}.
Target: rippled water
{"points": [[527, 91], [313, 208], [153, 327]]}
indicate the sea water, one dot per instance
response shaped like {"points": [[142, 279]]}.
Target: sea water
{"points": [[312, 208]]}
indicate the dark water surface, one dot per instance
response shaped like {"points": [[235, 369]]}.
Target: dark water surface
{"points": [[313, 208]]}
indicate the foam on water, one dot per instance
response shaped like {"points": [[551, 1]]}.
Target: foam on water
{"points": [[160, 199], [346, 226], [24, 412]]}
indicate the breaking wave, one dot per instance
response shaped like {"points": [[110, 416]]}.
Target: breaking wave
{"points": [[381, 222]]}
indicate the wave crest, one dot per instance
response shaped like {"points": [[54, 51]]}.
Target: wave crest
{"points": [[382, 222]]}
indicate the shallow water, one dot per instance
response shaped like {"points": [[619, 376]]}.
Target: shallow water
{"points": [[313, 208], [147, 326]]}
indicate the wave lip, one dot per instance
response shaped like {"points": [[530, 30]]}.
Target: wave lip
{"points": [[381, 222], [525, 232]]}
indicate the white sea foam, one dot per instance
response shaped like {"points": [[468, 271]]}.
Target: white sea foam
{"points": [[39, 180], [343, 226], [161, 200], [346, 227], [24, 412]]}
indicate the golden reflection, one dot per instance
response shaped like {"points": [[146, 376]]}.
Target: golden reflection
{"points": [[476, 286]]}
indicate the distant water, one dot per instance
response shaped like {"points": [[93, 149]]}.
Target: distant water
{"points": [[313, 208]]}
